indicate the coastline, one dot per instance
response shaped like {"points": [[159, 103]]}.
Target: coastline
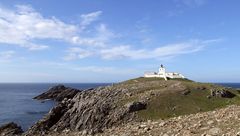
{"points": [[69, 104]]}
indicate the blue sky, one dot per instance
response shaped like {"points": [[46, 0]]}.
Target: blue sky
{"points": [[111, 41]]}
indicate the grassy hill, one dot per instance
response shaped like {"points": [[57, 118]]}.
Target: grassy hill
{"points": [[176, 97]]}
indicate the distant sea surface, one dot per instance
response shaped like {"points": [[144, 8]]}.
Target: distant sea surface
{"points": [[17, 105], [233, 85]]}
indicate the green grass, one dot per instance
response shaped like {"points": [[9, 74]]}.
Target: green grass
{"points": [[171, 105], [142, 79]]}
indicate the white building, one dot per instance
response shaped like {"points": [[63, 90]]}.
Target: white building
{"points": [[163, 74]]}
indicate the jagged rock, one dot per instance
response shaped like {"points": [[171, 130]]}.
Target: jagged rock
{"points": [[227, 94], [45, 124], [136, 106], [58, 93], [212, 92], [90, 110], [10, 129], [222, 93]]}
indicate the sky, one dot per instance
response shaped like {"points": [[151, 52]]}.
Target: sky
{"points": [[84, 41]]}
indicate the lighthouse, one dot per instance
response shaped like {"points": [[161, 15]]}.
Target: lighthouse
{"points": [[163, 74]]}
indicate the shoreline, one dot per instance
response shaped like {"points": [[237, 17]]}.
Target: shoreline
{"points": [[66, 101]]}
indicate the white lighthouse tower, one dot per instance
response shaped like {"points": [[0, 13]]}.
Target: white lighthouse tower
{"points": [[162, 72]]}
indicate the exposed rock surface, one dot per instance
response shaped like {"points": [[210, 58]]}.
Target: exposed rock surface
{"points": [[58, 93], [44, 125], [88, 110], [222, 93], [10, 129], [224, 121], [136, 106]]}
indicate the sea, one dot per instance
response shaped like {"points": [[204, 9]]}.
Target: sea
{"points": [[17, 105]]}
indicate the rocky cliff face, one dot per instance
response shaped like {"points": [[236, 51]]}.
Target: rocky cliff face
{"points": [[10, 129], [89, 110]]}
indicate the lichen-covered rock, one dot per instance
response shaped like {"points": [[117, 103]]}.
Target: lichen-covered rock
{"points": [[10, 129]]}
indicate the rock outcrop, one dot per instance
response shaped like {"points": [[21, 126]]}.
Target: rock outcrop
{"points": [[58, 93], [44, 125], [136, 106], [89, 111], [10, 129], [222, 93]]}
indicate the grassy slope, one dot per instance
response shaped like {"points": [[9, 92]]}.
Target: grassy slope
{"points": [[168, 101]]}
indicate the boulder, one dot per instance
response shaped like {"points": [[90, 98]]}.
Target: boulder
{"points": [[222, 93], [10, 129], [227, 94], [186, 92], [136, 106]]}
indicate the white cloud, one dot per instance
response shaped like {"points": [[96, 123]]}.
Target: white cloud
{"points": [[34, 47], [182, 5], [94, 69], [160, 52], [84, 68], [24, 26], [100, 39], [105, 70], [213, 41], [87, 19], [128, 52], [192, 3], [77, 53], [6, 55]]}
